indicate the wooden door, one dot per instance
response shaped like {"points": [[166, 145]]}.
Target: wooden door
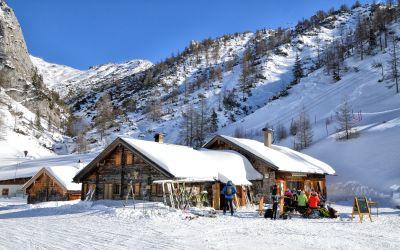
{"points": [[108, 191], [136, 190]]}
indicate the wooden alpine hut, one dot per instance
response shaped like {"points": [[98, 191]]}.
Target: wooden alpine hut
{"points": [[279, 165], [52, 184], [13, 177], [145, 166]]}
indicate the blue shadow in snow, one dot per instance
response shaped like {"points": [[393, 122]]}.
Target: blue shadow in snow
{"points": [[44, 212]]}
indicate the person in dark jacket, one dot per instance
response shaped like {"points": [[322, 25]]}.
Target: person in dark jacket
{"points": [[228, 191], [275, 201]]}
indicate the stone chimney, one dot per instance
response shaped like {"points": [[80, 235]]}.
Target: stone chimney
{"points": [[159, 137], [267, 137]]}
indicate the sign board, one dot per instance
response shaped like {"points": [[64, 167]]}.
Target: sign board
{"points": [[361, 207]]}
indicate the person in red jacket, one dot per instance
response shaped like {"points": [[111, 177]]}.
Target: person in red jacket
{"points": [[313, 201]]}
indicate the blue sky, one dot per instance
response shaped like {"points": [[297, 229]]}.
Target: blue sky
{"points": [[82, 33]]}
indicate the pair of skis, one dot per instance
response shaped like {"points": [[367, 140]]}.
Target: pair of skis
{"points": [[178, 197], [130, 193], [170, 189], [89, 195]]}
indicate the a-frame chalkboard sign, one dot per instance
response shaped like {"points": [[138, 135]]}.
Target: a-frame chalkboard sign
{"points": [[361, 207]]}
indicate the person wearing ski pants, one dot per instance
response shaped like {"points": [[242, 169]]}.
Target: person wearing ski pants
{"points": [[228, 191], [275, 201]]}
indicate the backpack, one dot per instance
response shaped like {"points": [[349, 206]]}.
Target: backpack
{"points": [[228, 190], [268, 213], [332, 212], [324, 212]]}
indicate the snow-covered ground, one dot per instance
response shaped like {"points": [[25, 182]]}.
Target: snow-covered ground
{"points": [[107, 225]]}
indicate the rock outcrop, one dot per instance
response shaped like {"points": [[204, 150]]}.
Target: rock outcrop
{"points": [[16, 68], [19, 78]]}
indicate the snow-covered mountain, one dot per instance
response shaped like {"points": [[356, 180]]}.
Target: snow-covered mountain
{"points": [[55, 75], [210, 71], [242, 82], [68, 81]]}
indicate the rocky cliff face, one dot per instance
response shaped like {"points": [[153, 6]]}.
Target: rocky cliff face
{"points": [[24, 98], [16, 68]]}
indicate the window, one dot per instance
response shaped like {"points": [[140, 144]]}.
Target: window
{"points": [[117, 188], [5, 191]]}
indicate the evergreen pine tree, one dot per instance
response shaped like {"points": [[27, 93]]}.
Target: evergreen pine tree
{"points": [[214, 121], [297, 70]]}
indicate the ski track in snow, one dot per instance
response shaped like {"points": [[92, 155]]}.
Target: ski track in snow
{"points": [[102, 227]]}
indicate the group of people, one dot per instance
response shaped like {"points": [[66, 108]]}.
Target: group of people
{"points": [[295, 200], [300, 201]]}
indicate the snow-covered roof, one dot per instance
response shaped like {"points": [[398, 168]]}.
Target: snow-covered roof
{"points": [[65, 175], [186, 162], [31, 167], [285, 159], [62, 174]]}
